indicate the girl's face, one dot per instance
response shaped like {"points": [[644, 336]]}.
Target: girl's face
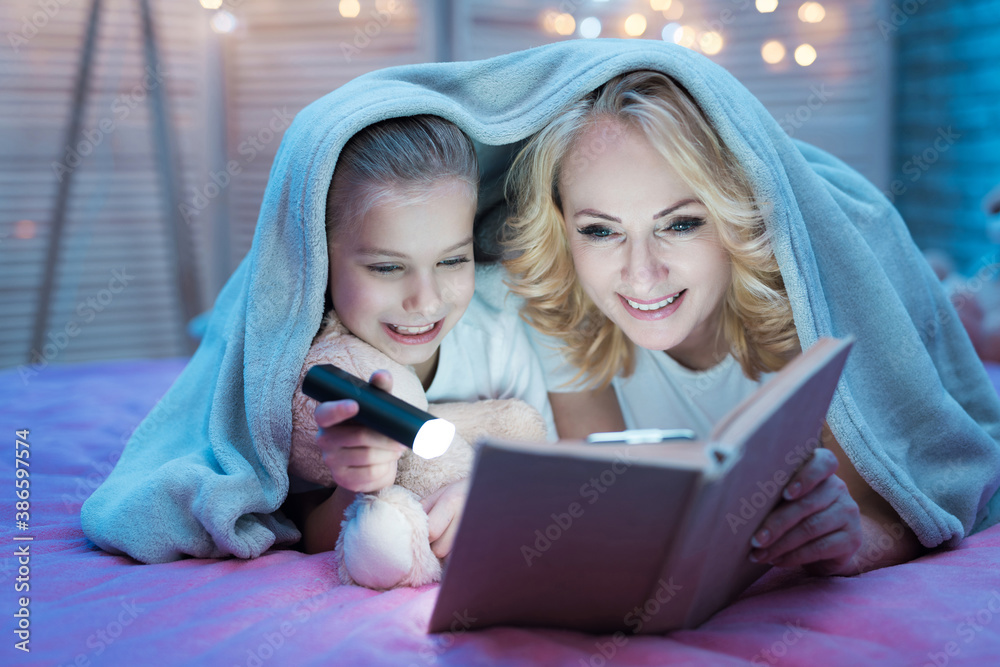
{"points": [[403, 276], [644, 249]]}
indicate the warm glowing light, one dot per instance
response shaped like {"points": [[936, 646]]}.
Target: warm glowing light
{"points": [[710, 43], [590, 27], [659, 5], [24, 229], [211, 4], [223, 22], [349, 8], [811, 12], [565, 24], [635, 25], [685, 36], [805, 55], [674, 11], [549, 21], [766, 6], [772, 52]]}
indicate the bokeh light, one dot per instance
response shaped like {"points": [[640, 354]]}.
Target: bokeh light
{"points": [[223, 22], [811, 12], [766, 6], [565, 24], [773, 52], [674, 11], [710, 43], [685, 36], [349, 8], [211, 4], [659, 5], [805, 55], [635, 25], [590, 27]]}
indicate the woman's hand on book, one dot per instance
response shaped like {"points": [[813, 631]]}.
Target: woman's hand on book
{"points": [[359, 458], [818, 525], [444, 509]]}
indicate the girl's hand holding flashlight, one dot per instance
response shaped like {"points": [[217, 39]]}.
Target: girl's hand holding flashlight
{"points": [[359, 458]]}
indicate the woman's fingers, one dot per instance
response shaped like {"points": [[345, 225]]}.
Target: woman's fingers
{"points": [[820, 465], [791, 523], [444, 510]]}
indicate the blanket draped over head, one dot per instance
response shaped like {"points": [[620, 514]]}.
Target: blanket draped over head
{"points": [[206, 472]]}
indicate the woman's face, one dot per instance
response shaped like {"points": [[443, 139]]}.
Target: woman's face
{"points": [[645, 251]]}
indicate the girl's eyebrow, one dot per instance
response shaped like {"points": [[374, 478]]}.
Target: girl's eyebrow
{"points": [[380, 252], [591, 213]]}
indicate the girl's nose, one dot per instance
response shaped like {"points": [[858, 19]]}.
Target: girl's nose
{"points": [[424, 297]]}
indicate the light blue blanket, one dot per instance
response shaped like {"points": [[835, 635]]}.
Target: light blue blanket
{"points": [[205, 473]]}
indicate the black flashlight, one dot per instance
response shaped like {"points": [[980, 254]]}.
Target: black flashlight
{"points": [[380, 411]]}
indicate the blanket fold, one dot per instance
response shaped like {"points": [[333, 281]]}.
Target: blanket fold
{"points": [[206, 472]]}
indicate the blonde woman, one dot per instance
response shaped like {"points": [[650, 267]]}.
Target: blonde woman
{"points": [[646, 266]]}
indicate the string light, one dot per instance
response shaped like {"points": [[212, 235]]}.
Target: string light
{"points": [[710, 43], [211, 4], [811, 12], [349, 8], [565, 24], [685, 36], [805, 55], [766, 6], [773, 52], [635, 25], [590, 27], [671, 32], [674, 10], [223, 22]]}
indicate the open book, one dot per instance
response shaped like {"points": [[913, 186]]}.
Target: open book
{"points": [[635, 538]]}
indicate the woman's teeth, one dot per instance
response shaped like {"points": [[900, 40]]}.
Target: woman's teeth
{"points": [[653, 306], [411, 331]]}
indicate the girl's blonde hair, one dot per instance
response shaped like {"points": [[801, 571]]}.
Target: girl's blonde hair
{"points": [[757, 317]]}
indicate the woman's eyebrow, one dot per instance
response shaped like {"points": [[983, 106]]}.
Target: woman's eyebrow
{"points": [[671, 209], [592, 213]]}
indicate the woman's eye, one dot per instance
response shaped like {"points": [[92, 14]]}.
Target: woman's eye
{"points": [[686, 225], [384, 269], [597, 231], [455, 261]]}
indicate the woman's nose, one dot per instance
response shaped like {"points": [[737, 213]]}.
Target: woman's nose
{"points": [[644, 269]]}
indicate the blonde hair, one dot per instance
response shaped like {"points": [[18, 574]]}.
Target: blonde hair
{"points": [[757, 317], [399, 159]]}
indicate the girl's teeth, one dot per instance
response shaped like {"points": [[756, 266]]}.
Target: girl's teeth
{"points": [[652, 306], [411, 331]]}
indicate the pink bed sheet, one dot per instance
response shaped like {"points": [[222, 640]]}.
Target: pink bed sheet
{"points": [[91, 608]]}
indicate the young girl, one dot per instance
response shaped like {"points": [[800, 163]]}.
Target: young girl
{"points": [[400, 233]]}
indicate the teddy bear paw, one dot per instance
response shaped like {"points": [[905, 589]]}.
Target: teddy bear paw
{"points": [[384, 542]]}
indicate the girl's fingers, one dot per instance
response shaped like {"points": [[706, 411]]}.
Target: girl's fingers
{"points": [[820, 465], [382, 379], [332, 413]]}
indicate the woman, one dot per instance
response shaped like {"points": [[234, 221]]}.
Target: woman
{"points": [[644, 259]]}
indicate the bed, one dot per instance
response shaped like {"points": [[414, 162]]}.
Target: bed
{"points": [[88, 607]]}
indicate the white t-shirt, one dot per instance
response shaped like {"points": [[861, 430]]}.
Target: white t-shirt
{"points": [[488, 353], [660, 393]]}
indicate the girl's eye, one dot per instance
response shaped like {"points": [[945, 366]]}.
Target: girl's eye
{"points": [[384, 269], [596, 231], [455, 261], [686, 225]]}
